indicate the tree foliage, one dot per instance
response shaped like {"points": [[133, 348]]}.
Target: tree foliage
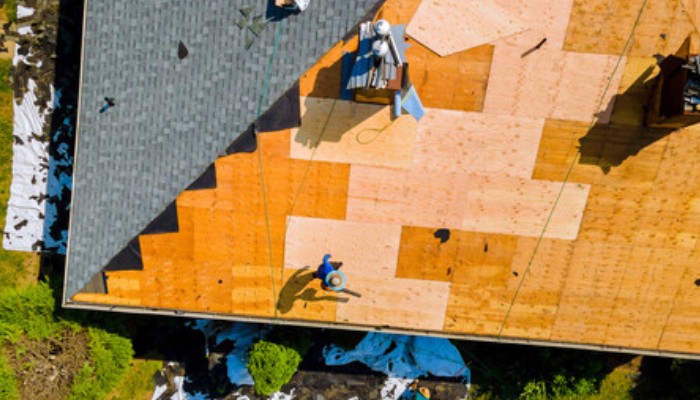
{"points": [[271, 366]]}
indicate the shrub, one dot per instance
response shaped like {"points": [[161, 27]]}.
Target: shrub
{"points": [[271, 366], [8, 384], [110, 358], [29, 310]]}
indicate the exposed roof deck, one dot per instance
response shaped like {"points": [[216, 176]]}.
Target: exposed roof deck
{"points": [[569, 223]]}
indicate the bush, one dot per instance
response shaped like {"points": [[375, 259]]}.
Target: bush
{"points": [[271, 366], [28, 310], [8, 384], [110, 358]]}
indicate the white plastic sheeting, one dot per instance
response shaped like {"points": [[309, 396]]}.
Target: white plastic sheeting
{"points": [[38, 188], [24, 225], [402, 356], [23, 12]]}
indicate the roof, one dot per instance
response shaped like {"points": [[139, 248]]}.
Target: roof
{"points": [[173, 117], [529, 204]]}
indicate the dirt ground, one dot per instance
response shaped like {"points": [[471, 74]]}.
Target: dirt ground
{"points": [[45, 368]]}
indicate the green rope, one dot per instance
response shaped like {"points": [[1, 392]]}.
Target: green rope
{"points": [[262, 171], [571, 168]]}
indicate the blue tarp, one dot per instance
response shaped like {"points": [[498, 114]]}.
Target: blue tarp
{"points": [[403, 356]]}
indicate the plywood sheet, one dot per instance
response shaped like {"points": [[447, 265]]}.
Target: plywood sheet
{"points": [[539, 267], [410, 303], [617, 155], [544, 19], [478, 259], [521, 207], [633, 92], [602, 26], [323, 78], [465, 202], [552, 84], [364, 248], [692, 8], [449, 26], [455, 82], [301, 297], [348, 132], [477, 309], [470, 142]]}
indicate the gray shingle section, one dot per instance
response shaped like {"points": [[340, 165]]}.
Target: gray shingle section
{"points": [[173, 117]]}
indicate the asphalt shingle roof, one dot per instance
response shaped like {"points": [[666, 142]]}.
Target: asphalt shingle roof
{"points": [[173, 117]]}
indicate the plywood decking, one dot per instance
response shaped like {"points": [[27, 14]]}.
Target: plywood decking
{"points": [[505, 137], [551, 84], [450, 26]]}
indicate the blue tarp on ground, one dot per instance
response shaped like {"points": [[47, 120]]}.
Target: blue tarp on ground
{"points": [[403, 356]]}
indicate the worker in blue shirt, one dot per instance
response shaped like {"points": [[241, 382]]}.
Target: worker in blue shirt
{"points": [[324, 269]]}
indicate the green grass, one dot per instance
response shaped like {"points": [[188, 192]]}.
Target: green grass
{"points": [[137, 383], [16, 268], [11, 10], [8, 384]]}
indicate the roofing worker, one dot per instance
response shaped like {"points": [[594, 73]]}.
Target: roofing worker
{"points": [[324, 270]]}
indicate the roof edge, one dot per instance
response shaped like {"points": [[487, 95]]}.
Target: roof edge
{"points": [[75, 150], [383, 329]]}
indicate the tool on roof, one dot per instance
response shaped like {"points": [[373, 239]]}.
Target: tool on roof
{"points": [[109, 102]]}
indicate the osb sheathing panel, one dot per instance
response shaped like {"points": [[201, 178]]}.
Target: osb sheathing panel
{"points": [[450, 26], [544, 19], [470, 142], [364, 248], [603, 26], [551, 84], [410, 303], [348, 132]]}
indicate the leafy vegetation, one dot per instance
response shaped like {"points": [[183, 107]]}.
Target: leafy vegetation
{"points": [[110, 357], [271, 366], [28, 311]]}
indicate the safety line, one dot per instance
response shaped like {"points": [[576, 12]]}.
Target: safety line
{"points": [[571, 168], [311, 158], [262, 170]]}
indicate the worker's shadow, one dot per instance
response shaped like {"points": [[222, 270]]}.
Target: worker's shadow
{"points": [[609, 145], [295, 289]]}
